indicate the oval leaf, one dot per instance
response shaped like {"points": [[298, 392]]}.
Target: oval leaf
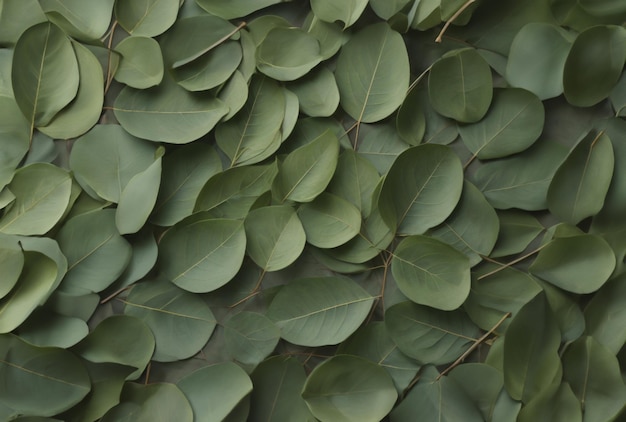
{"points": [[147, 18], [286, 54], [329, 221], [250, 337], [141, 65]]}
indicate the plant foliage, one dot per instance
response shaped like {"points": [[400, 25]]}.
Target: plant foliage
{"points": [[324, 210]]}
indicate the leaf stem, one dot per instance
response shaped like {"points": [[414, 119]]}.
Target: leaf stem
{"points": [[515, 261], [452, 19], [110, 52], [474, 346], [113, 295]]}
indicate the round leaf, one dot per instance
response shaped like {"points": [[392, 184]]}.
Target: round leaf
{"points": [[275, 236], [349, 389], [346, 11], [286, 54], [141, 65], [250, 337], [373, 73], [211, 70], [317, 93], [230, 9], [180, 321], [147, 18], [79, 18], [329, 221], [11, 264], [460, 86], [151, 402], [204, 254], [319, 311]]}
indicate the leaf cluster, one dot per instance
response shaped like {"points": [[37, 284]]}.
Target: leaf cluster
{"points": [[275, 210]]}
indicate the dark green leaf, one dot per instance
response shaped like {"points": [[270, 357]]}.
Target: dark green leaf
{"points": [[250, 337]]}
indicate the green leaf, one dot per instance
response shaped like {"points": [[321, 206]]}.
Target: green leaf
{"points": [[429, 335], [531, 344], [45, 328], [513, 123], [106, 158], [605, 47], [16, 16], [167, 113], [275, 236], [306, 171], [210, 70], [317, 93], [374, 343], [373, 73], [144, 257], [151, 402], [60, 378], [349, 388], [45, 73], [603, 7], [604, 315], [555, 403], [521, 181], [517, 230], [286, 54], [42, 194], [381, 145], [120, 339], [581, 182], [329, 221], [329, 34], [422, 189], [385, 9], [85, 110], [147, 18], [578, 264], [430, 272], [141, 65], [88, 20], [347, 12], [593, 372], [411, 118], [234, 93], [96, 253], [230, 194], [203, 254], [11, 264], [250, 337], [180, 321], [436, 399], [276, 397], [15, 135], [214, 391], [36, 283], [254, 133], [472, 228], [230, 9], [537, 59], [185, 171], [319, 311], [138, 199], [354, 180], [460, 86], [484, 394]]}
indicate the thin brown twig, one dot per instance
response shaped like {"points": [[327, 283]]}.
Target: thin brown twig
{"points": [[452, 19], [515, 261], [113, 295]]}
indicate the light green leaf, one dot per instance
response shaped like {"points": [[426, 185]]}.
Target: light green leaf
{"points": [[349, 389], [138, 199], [254, 133], [203, 254], [381, 145], [11, 263], [106, 158], [430, 272], [537, 59], [96, 253], [141, 65], [512, 124], [605, 47], [185, 171], [86, 20], [45, 73], [250, 337], [306, 171], [460, 86], [286, 54], [329, 221], [373, 73], [144, 257], [230, 9], [84, 111], [167, 113], [59, 376], [210, 70], [521, 181], [472, 228], [42, 194], [234, 93], [230, 194], [15, 135], [214, 391], [317, 93], [593, 372], [531, 344], [581, 182], [275, 236], [329, 34], [347, 11], [354, 180], [147, 18], [319, 311], [16, 16], [421, 189], [36, 283], [180, 321], [578, 264], [429, 335], [385, 9], [276, 397]]}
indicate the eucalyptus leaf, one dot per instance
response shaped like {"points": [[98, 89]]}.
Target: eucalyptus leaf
{"points": [[318, 95], [286, 54], [604, 315], [17, 16], [210, 70], [250, 337], [45, 328], [517, 230], [141, 65], [82, 19], [554, 403], [15, 133], [147, 18], [347, 12], [230, 9], [11, 263], [354, 180], [329, 221]]}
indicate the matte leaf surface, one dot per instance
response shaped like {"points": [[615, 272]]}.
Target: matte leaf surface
{"points": [[299, 52], [147, 18]]}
